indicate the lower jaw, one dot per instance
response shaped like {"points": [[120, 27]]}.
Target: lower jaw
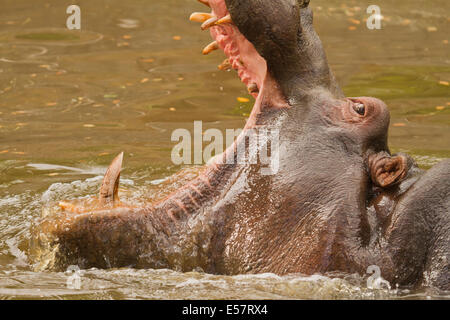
{"points": [[268, 97]]}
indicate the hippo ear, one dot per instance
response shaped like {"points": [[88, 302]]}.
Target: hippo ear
{"points": [[387, 170], [110, 186]]}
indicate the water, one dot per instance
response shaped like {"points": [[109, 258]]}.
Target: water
{"points": [[70, 101]]}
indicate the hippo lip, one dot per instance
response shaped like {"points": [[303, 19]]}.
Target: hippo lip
{"points": [[241, 54]]}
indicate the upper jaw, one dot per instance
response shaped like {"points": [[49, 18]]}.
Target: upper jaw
{"points": [[276, 39], [241, 54]]}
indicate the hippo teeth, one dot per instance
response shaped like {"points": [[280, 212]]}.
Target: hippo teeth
{"points": [[110, 186], [200, 17], [253, 88], [210, 47], [241, 55], [225, 65], [209, 20], [224, 20], [209, 23]]}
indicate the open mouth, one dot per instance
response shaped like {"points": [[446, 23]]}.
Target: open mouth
{"points": [[241, 54], [252, 70]]}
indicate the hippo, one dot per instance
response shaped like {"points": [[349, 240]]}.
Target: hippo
{"points": [[338, 201]]}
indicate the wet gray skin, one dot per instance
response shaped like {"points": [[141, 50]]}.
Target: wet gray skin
{"points": [[339, 201]]}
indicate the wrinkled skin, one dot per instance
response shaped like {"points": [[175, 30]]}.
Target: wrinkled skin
{"points": [[338, 202]]}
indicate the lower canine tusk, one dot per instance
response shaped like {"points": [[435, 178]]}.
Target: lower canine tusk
{"points": [[109, 191], [211, 47]]}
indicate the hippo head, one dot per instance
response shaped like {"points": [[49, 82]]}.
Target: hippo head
{"points": [[314, 215], [334, 158]]}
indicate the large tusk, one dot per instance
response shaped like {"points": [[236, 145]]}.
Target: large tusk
{"points": [[224, 20], [211, 47], [109, 191], [205, 2], [209, 23], [200, 16]]}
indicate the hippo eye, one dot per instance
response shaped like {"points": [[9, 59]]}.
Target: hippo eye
{"points": [[359, 108]]}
